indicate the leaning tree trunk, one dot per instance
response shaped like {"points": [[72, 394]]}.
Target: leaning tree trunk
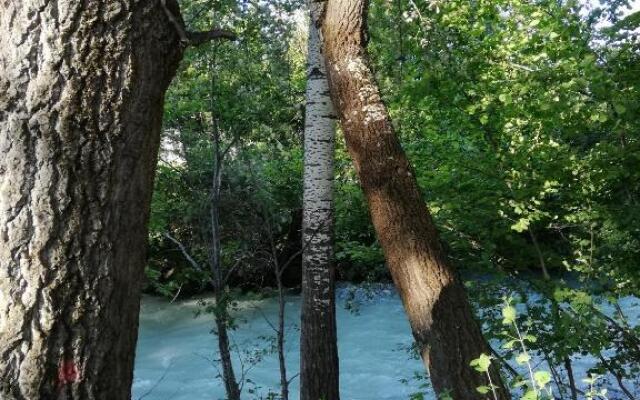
{"points": [[318, 338], [81, 96], [433, 295]]}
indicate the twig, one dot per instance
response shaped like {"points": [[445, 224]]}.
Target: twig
{"points": [[188, 38], [184, 251], [157, 383], [616, 375], [293, 377], [177, 294]]}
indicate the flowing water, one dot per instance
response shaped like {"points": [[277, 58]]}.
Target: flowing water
{"points": [[176, 350]]}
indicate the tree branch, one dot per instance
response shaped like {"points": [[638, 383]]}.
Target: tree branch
{"points": [[198, 38], [188, 38], [184, 251]]}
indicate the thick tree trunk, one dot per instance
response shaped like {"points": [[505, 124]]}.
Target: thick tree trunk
{"points": [[81, 96], [318, 338], [433, 295]]}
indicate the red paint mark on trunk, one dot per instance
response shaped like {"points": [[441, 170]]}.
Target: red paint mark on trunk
{"points": [[68, 372]]}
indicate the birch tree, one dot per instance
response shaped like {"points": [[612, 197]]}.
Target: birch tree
{"points": [[318, 340], [434, 298]]}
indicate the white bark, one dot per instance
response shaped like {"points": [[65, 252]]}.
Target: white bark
{"points": [[318, 161], [319, 360]]}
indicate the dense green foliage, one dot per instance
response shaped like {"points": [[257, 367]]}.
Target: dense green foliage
{"points": [[522, 122], [249, 91], [521, 119]]}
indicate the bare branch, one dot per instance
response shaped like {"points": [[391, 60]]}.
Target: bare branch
{"points": [[198, 38], [175, 297], [188, 38], [179, 27], [267, 320], [232, 269], [157, 383], [184, 251], [236, 139], [293, 377]]}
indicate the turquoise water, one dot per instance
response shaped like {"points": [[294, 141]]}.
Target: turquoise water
{"points": [[176, 349]]}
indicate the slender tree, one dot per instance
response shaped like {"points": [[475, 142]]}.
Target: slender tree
{"points": [[434, 298], [82, 87], [219, 271], [318, 338]]}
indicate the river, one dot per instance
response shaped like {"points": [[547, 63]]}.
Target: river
{"points": [[176, 349]]}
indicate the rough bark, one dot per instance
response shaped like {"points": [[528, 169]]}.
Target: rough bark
{"points": [[81, 95], [318, 337], [434, 298]]}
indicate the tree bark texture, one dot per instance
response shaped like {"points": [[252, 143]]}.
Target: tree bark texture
{"points": [[318, 337], [82, 88], [434, 298]]}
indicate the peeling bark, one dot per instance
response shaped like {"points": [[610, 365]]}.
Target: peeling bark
{"points": [[432, 293], [81, 96], [318, 337]]}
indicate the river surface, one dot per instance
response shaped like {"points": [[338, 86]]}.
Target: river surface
{"points": [[176, 349]]}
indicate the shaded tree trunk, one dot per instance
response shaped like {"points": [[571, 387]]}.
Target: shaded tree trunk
{"points": [[318, 337], [81, 97], [218, 271], [224, 346], [219, 274], [434, 298]]}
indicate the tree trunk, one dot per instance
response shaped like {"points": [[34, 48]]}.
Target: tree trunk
{"points": [[81, 99], [218, 272], [228, 376], [221, 310], [434, 298], [282, 362], [318, 338]]}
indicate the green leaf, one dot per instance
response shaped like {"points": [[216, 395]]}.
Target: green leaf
{"points": [[505, 98], [508, 314], [523, 358], [519, 382], [530, 395], [542, 378], [620, 109], [521, 226], [482, 363], [483, 389]]}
